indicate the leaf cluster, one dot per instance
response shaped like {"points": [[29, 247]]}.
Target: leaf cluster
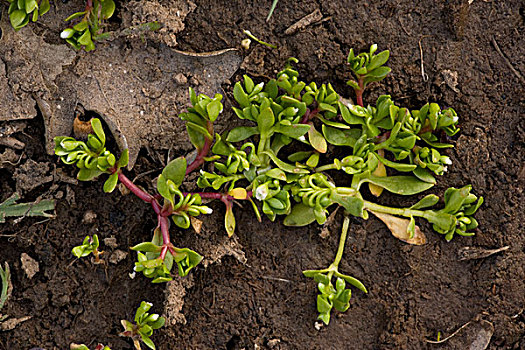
{"points": [[22, 11], [368, 67], [144, 325], [92, 157]]}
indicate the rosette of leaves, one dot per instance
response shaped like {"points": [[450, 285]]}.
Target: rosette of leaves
{"points": [[143, 326], [91, 157], [367, 67], [200, 117], [462, 205], [85, 31], [152, 265], [22, 11]]}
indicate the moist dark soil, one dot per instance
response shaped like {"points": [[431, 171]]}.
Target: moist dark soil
{"points": [[468, 55]]}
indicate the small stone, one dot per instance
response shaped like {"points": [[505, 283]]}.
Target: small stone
{"points": [[89, 217], [117, 256], [181, 79], [273, 343], [123, 189], [111, 242], [29, 265]]}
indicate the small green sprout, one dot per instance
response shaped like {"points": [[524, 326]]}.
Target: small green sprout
{"points": [[84, 32], [144, 325], [5, 276], [254, 38], [21, 11], [89, 246]]}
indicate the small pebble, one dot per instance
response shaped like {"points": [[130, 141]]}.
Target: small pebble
{"points": [[181, 79], [89, 217]]}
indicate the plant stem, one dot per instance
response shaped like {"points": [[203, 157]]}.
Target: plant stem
{"points": [[164, 230], [342, 241], [308, 115], [135, 189], [359, 93], [394, 211], [325, 168], [199, 160]]}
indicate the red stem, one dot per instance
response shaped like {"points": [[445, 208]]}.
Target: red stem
{"points": [[359, 93], [199, 160], [164, 230], [309, 115], [135, 189]]}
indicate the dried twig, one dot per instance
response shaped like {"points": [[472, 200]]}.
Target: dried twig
{"points": [[304, 22]]}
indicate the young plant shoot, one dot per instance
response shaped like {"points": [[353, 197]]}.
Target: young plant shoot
{"points": [[144, 325], [384, 145]]}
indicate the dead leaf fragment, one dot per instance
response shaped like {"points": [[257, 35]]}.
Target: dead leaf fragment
{"points": [[313, 17], [29, 265], [398, 227], [11, 323], [196, 224], [472, 253]]}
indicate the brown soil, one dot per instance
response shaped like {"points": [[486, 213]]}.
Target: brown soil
{"points": [[251, 292]]}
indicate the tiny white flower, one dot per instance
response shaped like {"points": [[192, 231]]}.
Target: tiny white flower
{"points": [[132, 275], [447, 160], [445, 169], [302, 138], [207, 210], [261, 193], [154, 317], [455, 119], [295, 110]]}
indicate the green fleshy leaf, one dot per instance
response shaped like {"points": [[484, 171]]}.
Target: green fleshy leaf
{"points": [[339, 137], [352, 205], [301, 215], [175, 170], [294, 131], [108, 8], [88, 174], [147, 247], [426, 202], [317, 140], [285, 166], [17, 18], [111, 183], [403, 185], [241, 133]]}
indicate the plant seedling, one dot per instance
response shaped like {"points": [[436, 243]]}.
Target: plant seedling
{"points": [[85, 31], [89, 246], [144, 325], [386, 146]]}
